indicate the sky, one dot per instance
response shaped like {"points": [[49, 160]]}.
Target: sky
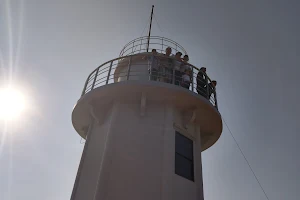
{"points": [[252, 48]]}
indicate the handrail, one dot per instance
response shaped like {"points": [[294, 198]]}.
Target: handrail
{"points": [[161, 41], [108, 71]]}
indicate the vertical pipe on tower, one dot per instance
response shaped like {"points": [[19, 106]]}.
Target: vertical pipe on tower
{"points": [[207, 86], [215, 95], [150, 28], [193, 79]]}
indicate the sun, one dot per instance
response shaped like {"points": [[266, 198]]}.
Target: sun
{"points": [[12, 103]]}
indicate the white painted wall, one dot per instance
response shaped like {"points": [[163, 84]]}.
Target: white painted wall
{"points": [[138, 69], [133, 157]]}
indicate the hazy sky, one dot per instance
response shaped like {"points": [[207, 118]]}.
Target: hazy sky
{"points": [[251, 47]]}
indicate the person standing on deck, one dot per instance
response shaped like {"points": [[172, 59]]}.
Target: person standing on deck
{"points": [[212, 88], [153, 65], [177, 65], [201, 82], [186, 79], [185, 64], [167, 65]]}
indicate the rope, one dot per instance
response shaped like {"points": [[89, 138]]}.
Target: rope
{"points": [[166, 31], [245, 159], [157, 23], [143, 32], [145, 26]]}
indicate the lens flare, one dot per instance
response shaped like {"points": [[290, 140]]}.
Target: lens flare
{"points": [[12, 103]]}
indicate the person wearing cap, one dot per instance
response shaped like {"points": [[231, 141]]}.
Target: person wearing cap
{"points": [[201, 82]]}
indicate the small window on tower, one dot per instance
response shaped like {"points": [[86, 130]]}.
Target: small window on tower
{"points": [[184, 160]]}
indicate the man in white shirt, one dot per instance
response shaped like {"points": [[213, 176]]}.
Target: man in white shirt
{"points": [[167, 65], [186, 79], [185, 64], [176, 67], [153, 64]]}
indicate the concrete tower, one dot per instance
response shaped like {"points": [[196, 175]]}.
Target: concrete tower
{"points": [[144, 131]]}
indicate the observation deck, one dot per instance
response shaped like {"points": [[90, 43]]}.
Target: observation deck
{"points": [[129, 75]]}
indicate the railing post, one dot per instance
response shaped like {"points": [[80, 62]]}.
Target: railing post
{"points": [[85, 84], [95, 78], [173, 77], [216, 102], [149, 70], [129, 65], [192, 78], [141, 45], [162, 44], [107, 79], [132, 47], [207, 87]]}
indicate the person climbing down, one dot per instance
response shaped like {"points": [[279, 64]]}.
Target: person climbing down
{"points": [[201, 82]]}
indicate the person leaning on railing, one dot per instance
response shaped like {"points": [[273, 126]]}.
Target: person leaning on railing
{"points": [[204, 88], [201, 82], [211, 88]]}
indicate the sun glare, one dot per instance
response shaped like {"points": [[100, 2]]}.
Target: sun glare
{"points": [[12, 103]]}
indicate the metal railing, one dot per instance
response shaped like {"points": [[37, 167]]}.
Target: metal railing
{"points": [[139, 45], [140, 67]]}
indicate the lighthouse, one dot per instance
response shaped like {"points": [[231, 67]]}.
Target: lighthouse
{"points": [[143, 134]]}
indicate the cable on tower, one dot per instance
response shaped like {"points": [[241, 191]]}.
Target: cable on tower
{"points": [[166, 31], [148, 21], [157, 23], [237, 144]]}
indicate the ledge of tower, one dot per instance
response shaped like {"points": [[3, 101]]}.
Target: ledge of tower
{"points": [[207, 116]]}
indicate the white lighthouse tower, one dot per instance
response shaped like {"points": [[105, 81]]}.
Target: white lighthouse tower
{"points": [[144, 135]]}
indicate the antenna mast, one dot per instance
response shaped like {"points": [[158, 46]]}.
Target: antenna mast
{"points": [[150, 28]]}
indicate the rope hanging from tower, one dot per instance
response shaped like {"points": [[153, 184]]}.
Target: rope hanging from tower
{"points": [[237, 144]]}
